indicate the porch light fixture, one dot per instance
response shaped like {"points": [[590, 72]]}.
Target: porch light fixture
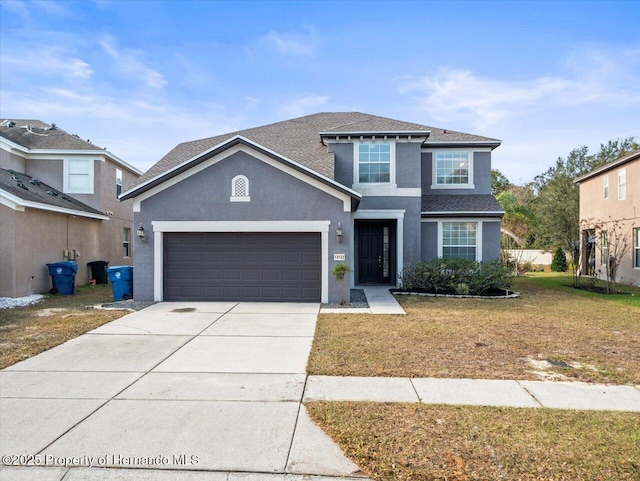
{"points": [[140, 233], [339, 233]]}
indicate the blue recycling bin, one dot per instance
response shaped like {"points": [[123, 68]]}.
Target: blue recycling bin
{"points": [[63, 277], [121, 279]]}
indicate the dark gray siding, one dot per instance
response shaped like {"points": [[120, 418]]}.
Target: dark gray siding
{"points": [[490, 241], [481, 175], [407, 165], [429, 241], [343, 163], [275, 196]]}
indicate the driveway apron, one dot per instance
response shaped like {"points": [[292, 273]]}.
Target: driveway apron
{"points": [[176, 386]]}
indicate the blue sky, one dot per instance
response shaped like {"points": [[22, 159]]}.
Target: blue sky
{"points": [[139, 77]]}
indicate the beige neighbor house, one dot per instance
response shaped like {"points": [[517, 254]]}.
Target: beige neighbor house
{"points": [[610, 218], [58, 202]]}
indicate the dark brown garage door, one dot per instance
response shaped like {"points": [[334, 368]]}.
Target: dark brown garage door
{"points": [[242, 266]]}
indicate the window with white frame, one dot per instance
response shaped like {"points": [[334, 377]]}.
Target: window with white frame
{"points": [[622, 184], [604, 248], [459, 240], [453, 169], [374, 163], [126, 242], [605, 186], [78, 176], [636, 247], [240, 189], [118, 182]]}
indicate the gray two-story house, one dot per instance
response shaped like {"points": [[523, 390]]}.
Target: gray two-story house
{"points": [[264, 214]]}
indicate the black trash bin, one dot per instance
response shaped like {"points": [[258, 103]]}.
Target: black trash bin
{"points": [[63, 277], [99, 271]]}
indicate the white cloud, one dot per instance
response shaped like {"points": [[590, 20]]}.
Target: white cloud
{"points": [[49, 62], [16, 7], [303, 104], [455, 95], [128, 61], [295, 45]]}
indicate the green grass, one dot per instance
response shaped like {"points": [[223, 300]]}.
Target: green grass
{"points": [[564, 283]]}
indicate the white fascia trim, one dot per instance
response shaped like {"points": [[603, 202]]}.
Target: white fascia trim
{"points": [[476, 221], [461, 219], [387, 190], [160, 227], [382, 133], [345, 198], [35, 154], [239, 199], [398, 215], [18, 204], [463, 212], [431, 147], [232, 139]]}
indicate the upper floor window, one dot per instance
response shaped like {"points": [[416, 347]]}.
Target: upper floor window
{"points": [[622, 184], [118, 182], [78, 176], [452, 169], [240, 189], [459, 240], [605, 186], [374, 163], [636, 247]]}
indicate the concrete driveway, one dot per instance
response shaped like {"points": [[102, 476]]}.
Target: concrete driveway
{"points": [[213, 387]]}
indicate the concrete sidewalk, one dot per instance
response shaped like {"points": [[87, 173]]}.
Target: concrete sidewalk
{"points": [[201, 390], [477, 392]]}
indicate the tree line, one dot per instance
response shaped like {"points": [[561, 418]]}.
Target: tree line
{"points": [[544, 213]]}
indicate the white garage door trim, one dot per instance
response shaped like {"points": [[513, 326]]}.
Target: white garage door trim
{"points": [[160, 227]]}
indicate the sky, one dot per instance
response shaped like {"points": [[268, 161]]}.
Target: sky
{"points": [[139, 77]]}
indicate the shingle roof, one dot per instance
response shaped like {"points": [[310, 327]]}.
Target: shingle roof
{"points": [[30, 190], [444, 204], [35, 134], [299, 139], [611, 165]]}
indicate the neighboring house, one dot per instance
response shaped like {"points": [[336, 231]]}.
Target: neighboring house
{"points": [[264, 214], [609, 197], [58, 202]]}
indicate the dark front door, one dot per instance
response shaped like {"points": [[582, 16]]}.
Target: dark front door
{"points": [[374, 253]]}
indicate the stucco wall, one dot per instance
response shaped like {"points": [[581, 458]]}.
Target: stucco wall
{"points": [[10, 161], [34, 238], [490, 239], [275, 196], [481, 175], [594, 208]]}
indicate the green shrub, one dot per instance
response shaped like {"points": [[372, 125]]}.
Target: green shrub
{"points": [[559, 263], [456, 276]]}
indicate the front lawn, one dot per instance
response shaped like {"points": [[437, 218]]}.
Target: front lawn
{"points": [[551, 330], [27, 331], [454, 443]]}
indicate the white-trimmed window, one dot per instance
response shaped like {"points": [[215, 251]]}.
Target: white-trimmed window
{"points": [[453, 170], [460, 240], [622, 184], [374, 162], [636, 247], [126, 242], [605, 186], [604, 248], [118, 182], [240, 189], [78, 176]]}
